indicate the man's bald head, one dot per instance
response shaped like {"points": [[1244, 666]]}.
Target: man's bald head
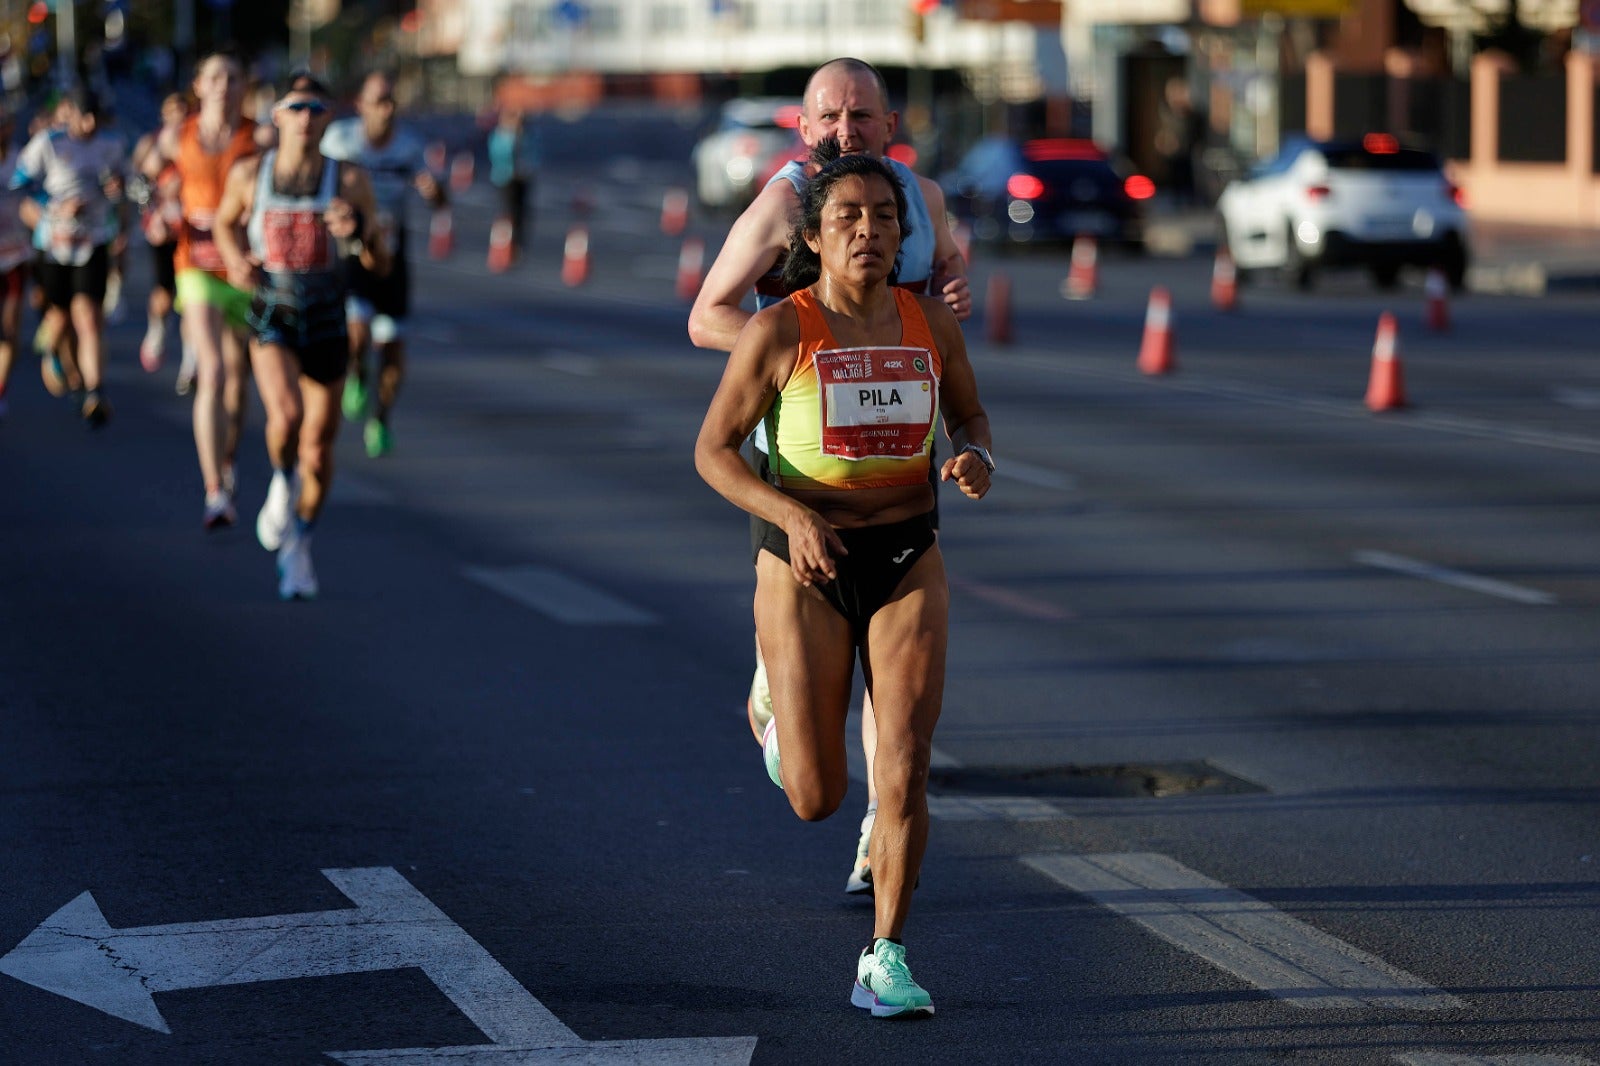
{"points": [[848, 100]]}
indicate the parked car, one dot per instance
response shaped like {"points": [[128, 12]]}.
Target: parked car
{"points": [[1369, 203], [727, 159], [1049, 190]]}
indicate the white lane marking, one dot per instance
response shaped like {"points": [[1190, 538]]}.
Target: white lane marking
{"points": [[695, 1051], [75, 953], [1445, 576], [1582, 399], [1436, 1058], [1011, 601], [1038, 476], [1240, 934], [994, 809], [575, 363], [558, 596], [1462, 426]]}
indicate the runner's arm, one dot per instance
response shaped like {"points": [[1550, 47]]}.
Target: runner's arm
{"points": [[760, 364], [965, 420], [238, 196], [947, 261], [758, 237], [355, 188]]}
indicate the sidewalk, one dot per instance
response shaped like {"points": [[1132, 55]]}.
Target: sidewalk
{"points": [[1507, 257]]}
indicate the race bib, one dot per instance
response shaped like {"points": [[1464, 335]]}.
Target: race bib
{"points": [[296, 241], [877, 403], [71, 240], [203, 251]]}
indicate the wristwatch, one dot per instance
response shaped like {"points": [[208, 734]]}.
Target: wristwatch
{"points": [[982, 453]]}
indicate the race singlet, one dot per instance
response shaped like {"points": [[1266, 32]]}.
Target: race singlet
{"points": [[877, 403], [296, 241]]}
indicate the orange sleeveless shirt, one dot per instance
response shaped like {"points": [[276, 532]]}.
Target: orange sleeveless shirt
{"points": [[204, 176]]}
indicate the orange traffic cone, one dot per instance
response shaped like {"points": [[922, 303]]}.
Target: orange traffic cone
{"points": [[1156, 354], [674, 212], [1385, 388], [434, 157], [575, 257], [1224, 282], [461, 172], [691, 268], [1437, 292], [997, 310], [500, 246], [1084, 275], [441, 234]]}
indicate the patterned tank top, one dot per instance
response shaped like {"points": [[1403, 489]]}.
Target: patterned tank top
{"points": [[861, 417], [287, 232]]}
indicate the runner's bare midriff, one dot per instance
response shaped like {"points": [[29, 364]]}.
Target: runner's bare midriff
{"points": [[859, 508]]}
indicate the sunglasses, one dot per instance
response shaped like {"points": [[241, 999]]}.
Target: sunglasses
{"points": [[315, 107]]}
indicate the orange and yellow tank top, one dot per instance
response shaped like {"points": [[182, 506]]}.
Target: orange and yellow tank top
{"points": [[856, 418], [204, 175]]}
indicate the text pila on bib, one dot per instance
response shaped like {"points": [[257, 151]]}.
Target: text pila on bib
{"points": [[877, 403]]}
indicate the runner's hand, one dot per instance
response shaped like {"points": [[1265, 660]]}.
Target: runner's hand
{"points": [[247, 276], [969, 474], [957, 295], [428, 187], [341, 219], [813, 545]]}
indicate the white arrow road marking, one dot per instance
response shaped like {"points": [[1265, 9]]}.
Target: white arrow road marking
{"points": [[1445, 576], [561, 597], [1432, 1058], [1240, 934], [75, 953]]}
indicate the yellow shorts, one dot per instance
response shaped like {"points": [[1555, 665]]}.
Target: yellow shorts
{"points": [[199, 288]]}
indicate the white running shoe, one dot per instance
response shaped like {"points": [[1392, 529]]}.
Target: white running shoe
{"points": [[219, 510], [187, 368], [272, 524], [297, 579], [861, 873], [154, 347]]}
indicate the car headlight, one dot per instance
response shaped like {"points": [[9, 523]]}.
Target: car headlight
{"points": [[1307, 232]]}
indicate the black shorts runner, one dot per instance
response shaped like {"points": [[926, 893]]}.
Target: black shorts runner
{"points": [[305, 314], [60, 282]]}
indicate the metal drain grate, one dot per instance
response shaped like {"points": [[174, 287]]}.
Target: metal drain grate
{"points": [[1115, 781]]}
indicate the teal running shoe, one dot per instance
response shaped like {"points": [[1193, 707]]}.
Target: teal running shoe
{"points": [[884, 985], [769, 751], [354, 400], [759, 705]]}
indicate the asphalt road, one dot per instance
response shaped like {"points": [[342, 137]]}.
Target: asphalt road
{"points": [[1270, 734]]}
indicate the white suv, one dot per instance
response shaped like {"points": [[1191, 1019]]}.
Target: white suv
{"points": [[727, 161], [1365, 203]]}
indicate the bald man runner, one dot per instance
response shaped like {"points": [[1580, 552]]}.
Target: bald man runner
{"points": [[845, 99]]}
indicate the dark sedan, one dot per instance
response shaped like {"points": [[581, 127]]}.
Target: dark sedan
{"points": [[1047, 191]]}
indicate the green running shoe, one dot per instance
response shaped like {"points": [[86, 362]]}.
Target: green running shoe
{"points": [[769, 751], [884, 985], [380, 441], [355, 398]]}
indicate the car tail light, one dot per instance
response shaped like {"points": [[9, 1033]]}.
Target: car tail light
{"points": [[746, 146], [1317, 193], [1139, 187], [1024, 187], [1456, 193], [902, 153], [1380, 143]]}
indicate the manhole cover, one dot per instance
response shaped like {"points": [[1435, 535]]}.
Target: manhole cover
{"points": [[1115, 781]]}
